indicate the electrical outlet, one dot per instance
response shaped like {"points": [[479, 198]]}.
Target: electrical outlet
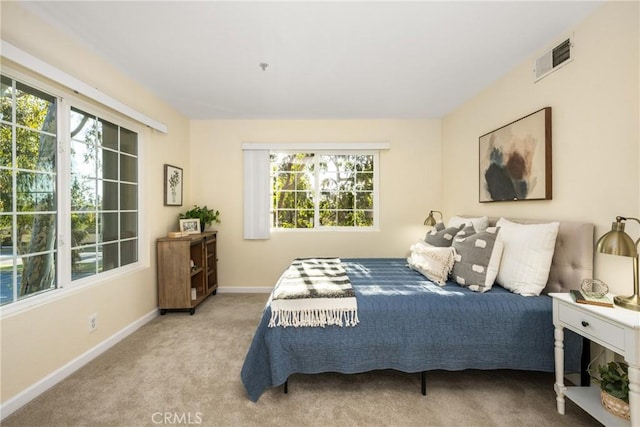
{"points": [[93, 322]]}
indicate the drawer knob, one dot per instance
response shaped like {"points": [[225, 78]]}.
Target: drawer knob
{"points": [[585, 323]]}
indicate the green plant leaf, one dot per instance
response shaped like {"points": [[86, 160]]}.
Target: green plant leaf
{"points": [[204, 214], [614, 379]]}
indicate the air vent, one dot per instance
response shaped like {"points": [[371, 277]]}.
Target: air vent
{"points": [[553, 59]]}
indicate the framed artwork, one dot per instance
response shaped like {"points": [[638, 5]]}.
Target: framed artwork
{"points": [[190, 225], [172, 185], [515, 160]]}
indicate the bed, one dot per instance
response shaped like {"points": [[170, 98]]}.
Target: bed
{"points": [[411, 324]]}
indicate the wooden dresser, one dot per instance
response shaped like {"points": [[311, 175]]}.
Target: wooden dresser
{"points": [[187, 271]]}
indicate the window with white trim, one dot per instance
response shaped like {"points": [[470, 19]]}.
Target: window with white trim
{"points": [[320, 190], [93, 199], [104, 195]]}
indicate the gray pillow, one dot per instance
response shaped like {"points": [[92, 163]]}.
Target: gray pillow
{"points": [[441, 236], [467, 231], [477, 258]]}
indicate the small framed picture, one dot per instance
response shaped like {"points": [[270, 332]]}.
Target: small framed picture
{"points": [[172, 185], [190, 226]]}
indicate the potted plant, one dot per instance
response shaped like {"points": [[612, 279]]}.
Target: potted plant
{"points": [[614, 387], [204, 214]]}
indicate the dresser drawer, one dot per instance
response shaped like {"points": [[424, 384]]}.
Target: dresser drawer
{"points": [[592, 327]]}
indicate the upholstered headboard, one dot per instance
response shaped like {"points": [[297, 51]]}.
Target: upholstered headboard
{"points": [[573, 256]]}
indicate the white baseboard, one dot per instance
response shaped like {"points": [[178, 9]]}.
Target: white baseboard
{"points": [[36, 389], [240, 290]]}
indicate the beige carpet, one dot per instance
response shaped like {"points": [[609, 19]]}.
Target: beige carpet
{"points": [[185, 370]]}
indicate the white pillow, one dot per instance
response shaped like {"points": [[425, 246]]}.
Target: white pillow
{"points": [[479, 223], [526, 257], [433, 262]]}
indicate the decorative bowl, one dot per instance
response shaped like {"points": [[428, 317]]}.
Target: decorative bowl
{"points": [[594, 288]]}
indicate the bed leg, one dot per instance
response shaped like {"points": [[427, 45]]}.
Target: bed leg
{"points": [[423, 376], [286, 386]]}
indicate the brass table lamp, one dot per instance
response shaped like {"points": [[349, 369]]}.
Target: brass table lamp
{"points": [[431, 221], [617, 242]]}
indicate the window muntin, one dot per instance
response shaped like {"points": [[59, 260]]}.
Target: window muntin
{"points": [[28, 191], [322, 190], [98, 210]]}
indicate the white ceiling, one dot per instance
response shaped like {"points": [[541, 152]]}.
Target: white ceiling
{"points": [[326, 59]]}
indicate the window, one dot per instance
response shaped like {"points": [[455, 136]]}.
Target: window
{"points": [[98, 210], [28, 190], [104, 189], [311, 190]]}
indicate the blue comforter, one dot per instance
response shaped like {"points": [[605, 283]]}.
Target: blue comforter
{"points": [[410, 324]]}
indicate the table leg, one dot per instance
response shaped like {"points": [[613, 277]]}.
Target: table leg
{"points": [[559, 361], [634, 395]]}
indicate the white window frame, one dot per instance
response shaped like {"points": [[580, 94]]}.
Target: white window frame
{"points": [[64, 285], [316, 218]]}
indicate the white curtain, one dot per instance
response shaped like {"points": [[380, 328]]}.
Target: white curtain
{"points": [[256, 194]]}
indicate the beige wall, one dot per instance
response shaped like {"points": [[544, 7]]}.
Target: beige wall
{"points": [[595, 133], [39, 341], [410, 186]]}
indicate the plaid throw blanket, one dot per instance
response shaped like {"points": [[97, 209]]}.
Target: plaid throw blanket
{"points": [[314, 292]]}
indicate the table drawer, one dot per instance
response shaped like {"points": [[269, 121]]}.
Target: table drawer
{"points": [[592, 327]]}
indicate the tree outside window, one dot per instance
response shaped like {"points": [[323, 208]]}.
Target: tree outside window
{"points": [[319, 190], [28, 190]]}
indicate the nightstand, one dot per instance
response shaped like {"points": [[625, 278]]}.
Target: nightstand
{"points": [[617, 329]]}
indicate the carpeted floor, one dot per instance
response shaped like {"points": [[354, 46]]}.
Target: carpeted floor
{"points": [[185, 370]]}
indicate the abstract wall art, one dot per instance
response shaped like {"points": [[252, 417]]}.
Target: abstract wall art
{"points": [[515, 160]]}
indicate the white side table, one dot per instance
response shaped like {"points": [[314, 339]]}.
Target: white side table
{"points": [[617, 329]]}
